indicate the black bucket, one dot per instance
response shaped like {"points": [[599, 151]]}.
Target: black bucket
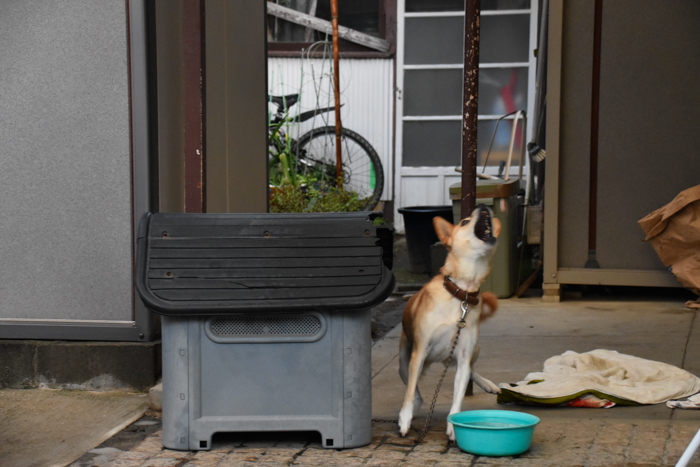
{"points": [[420, 233]]}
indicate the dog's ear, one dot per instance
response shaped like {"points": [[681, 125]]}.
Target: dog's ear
{"points": [[496, 227], [443, 229]]}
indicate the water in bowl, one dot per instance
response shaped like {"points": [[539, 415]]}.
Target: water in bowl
{"points": [[488, 424]]}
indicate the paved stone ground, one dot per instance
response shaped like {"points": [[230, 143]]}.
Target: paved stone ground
{"points": [[585, 443], [649, 437]]}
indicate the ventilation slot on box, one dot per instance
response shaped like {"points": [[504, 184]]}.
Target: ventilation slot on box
{"points": [[286, 328]]}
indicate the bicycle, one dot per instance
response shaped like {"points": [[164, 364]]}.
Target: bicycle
{"points": [[311, 160]]}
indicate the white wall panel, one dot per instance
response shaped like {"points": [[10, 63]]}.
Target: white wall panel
{"points": [[447, 182], [423, 186], [418, 191], [366, 94]]}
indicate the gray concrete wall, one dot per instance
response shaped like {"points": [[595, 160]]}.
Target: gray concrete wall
{"points": [[79, 365], [65, 161]]}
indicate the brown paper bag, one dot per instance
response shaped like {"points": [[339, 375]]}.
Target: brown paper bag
{"points": [[674, 232]]}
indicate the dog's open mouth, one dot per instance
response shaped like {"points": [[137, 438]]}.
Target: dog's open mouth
{"points": [[483, 229]]}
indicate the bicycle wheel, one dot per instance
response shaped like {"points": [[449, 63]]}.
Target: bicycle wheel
{"points": [[362, 169]]}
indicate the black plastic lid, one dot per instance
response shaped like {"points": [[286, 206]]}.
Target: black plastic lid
{"points": [[194, 264]]}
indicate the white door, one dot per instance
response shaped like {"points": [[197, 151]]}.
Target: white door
{"points": [[430, 54]]}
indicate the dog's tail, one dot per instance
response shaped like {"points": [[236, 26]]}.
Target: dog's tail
{"points": [[489, 305]]}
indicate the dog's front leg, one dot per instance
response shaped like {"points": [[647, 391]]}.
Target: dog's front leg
{"points": [[415, 367], [462, 377]]}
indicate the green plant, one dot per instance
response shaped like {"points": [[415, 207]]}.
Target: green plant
{"points": [[294, 191], [290, 198], [282, 160], [380, 221]]}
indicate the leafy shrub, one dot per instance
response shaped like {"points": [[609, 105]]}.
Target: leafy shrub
{"points": [[289, 198]]}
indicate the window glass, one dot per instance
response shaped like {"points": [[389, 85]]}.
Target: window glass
{"points": [[504, 38], [433, 92], [439, 92], [505, 4], [439, 144], [360, 15], [502, 90], [440, 40], [280, 30], [501, 142], [458, 5], [432, 144], [434, 40]]}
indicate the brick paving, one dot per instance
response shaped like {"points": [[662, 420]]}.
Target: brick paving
{"points": [[648, 436], [556, 442]]}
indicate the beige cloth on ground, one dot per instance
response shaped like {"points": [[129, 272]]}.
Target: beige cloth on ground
{"points": [[692, 403], [609, 372]]}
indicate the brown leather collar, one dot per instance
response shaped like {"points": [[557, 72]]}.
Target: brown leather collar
{"points": [[471, 298]]}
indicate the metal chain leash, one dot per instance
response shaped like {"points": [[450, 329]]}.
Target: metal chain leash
{"points": [[460, 324]]}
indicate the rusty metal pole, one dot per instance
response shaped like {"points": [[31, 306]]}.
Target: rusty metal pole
{"points": [[336, 92], [192, 25], [471, 105], [470, 111]]}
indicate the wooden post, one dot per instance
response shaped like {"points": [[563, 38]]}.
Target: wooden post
{"points": [[471, 105], [192, 83], [336, 92]]}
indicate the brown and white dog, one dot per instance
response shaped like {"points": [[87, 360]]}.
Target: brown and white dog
{"points": [[430, 317]]}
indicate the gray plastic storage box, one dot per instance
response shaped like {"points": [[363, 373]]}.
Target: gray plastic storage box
{"points": [[266, 322]]}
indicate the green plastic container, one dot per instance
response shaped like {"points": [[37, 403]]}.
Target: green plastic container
{"points": [[493, 432], [502, 197]]}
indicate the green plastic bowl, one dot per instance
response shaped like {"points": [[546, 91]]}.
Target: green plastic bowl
{"points": [[493, 432]]}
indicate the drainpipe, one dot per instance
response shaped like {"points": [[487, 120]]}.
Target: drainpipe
{"points": [[595, 112], [471, 105]]}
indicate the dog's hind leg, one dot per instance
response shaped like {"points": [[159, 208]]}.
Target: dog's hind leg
{"points": [[415, 368], [404, 357], [485, 384], [482, 382], [405, 349]]}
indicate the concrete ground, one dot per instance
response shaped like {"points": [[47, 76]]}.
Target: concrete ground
{"points": [[516, 341], [45, 427]]}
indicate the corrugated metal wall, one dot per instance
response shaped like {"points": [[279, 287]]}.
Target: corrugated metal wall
{"points": [[366, 95]]}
